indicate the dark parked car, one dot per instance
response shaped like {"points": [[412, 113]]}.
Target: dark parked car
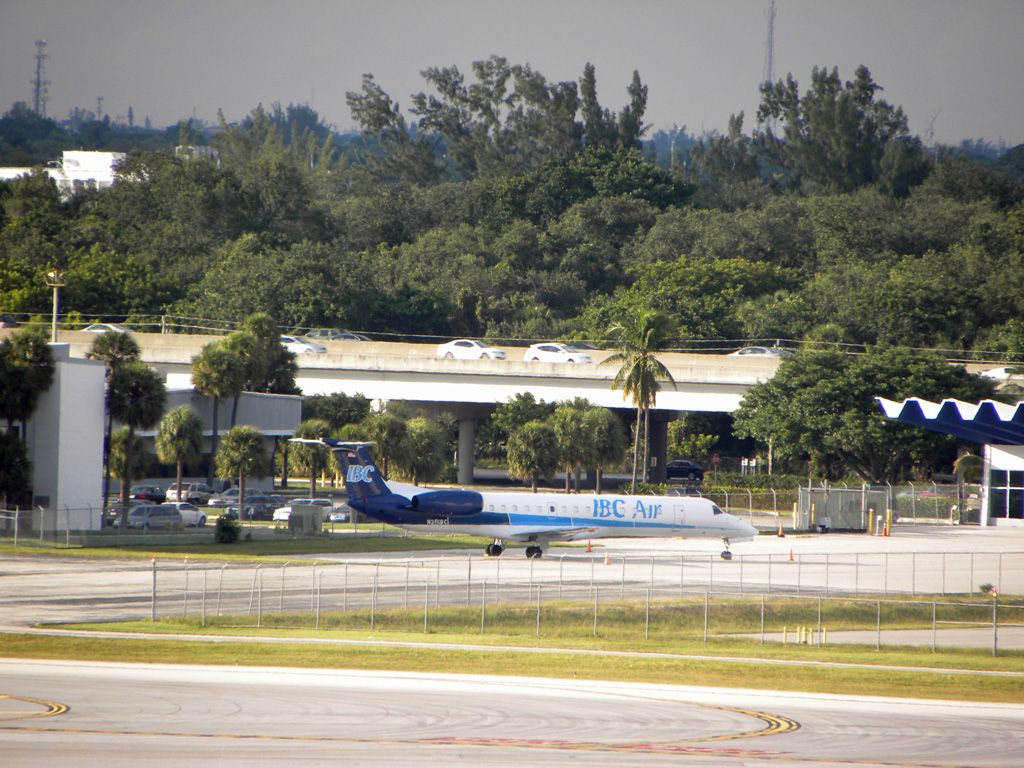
{"points": [[258, 507], [8, 321], [147, 493], [684, 469]]}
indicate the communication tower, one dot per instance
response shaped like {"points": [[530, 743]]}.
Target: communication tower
{"points": [[768, 75], [39, 90]]}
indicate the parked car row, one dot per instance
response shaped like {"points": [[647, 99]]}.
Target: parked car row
{"points": [[179, 514]]}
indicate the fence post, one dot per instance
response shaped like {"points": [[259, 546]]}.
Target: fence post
{"points": [[647, 617], [769, 572], [828, 567], [252, 590], [995, 625], [204, 598], [312, 588], [426, 604], [280, 601], [469, 577], [319, 588], [561, 562], [483, 606], [497, 581], [819, 621], [373, 598], [539, 588], [878, 626], [706, 593], [681, 592], [762, 618], [740, 558], [934, 622], [152, 612], [408, 567], [913, 574], [220, 588], [856, 573], [943, 573], [344, 591], [711, 571], [970, 585], [259, 602], [185, 611], [437, 584], [595, 611]]}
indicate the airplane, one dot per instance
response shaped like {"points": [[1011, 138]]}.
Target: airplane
{"points": [[535, 519]]}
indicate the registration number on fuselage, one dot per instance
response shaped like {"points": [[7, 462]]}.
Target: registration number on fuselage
{"points": [[437, 521]]}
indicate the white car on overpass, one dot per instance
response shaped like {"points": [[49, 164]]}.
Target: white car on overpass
{"points": [[550, 352], [469, 349]]}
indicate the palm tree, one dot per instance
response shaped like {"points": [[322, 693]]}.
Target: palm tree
{"points": [[312, 459], [113, 349], [217, 373], [607, 438], [639, 338], [533, 452], [136, 397], [242, 454], [179, 438]]}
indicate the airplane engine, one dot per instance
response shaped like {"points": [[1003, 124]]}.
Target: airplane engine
{"points": [[452, 503]]}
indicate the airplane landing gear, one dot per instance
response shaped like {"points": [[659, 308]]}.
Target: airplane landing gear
{"points": [[534, 552], [494, 550], [726, 554]]}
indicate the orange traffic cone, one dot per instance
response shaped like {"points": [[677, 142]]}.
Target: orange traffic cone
{"points": [[781, 534], [791, 556], [589, 548]]}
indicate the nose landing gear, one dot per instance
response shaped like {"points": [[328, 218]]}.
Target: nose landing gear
{"points": [[726, 554]]}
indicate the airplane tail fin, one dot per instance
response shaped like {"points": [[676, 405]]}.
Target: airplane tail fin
{"points": [[363, 479]]}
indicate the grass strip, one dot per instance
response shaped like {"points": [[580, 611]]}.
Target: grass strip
{"points": [[853, 681]]}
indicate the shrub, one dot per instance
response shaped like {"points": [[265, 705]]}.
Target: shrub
{"points": [[228, 530]]}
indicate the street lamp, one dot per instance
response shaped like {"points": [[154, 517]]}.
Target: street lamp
{"points": [[55, 279]]}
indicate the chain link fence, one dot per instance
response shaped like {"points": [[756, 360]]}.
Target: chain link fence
{"points": [[678, 598]]}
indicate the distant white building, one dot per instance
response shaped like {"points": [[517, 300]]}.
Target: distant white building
{"points": [[76, 169]]}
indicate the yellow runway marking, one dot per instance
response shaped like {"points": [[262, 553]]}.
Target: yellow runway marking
{"points": [[51, 708]]}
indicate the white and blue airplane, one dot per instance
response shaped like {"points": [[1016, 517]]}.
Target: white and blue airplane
{"points": [[536, 519]]}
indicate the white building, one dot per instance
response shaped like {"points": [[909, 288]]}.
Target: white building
{"points": [[75, 170], [65, 444]]}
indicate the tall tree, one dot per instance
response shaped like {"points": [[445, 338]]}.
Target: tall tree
{"points": [[28, 369], [311, 459], [242, 454], [217, 373], [821, 406], [113, 349], [575, 446], [608, 440], [427, 445], [639, 337], [136, 397], [390, 433], [533, 452], [179, 439]]}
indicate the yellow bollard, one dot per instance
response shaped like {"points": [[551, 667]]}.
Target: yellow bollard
{"points": [[824, 636], [785, 630]]}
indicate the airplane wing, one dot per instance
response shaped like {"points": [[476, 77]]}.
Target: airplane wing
{"points": [[554, 534]]}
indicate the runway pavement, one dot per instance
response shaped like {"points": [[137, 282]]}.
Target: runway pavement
{"points": [[76, 713]]}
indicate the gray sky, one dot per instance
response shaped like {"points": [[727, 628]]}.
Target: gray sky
{"points": [[955, 65]]}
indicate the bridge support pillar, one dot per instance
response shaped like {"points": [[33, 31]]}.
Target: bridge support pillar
{"points": [[467, 440], [658, 449]]}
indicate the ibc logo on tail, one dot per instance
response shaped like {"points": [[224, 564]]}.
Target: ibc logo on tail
{"points": [[357, 474]]}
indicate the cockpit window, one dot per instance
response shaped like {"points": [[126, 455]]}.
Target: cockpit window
{"points": [[717, 509]]}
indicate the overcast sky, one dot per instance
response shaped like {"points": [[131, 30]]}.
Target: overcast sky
{"points": [[955, 66]]}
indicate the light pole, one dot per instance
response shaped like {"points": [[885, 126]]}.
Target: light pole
{"points": [[55, 279]]}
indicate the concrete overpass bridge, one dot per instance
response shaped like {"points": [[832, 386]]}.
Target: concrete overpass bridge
{"points": [[471, 389]]}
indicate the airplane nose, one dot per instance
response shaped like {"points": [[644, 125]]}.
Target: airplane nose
{"points": [[743, 530]]}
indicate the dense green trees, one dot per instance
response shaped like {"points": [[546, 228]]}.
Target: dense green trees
{"points": [[820, 406]]}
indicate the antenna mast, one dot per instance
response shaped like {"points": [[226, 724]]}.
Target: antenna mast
{"points": [[39, 91], [768, 75]]}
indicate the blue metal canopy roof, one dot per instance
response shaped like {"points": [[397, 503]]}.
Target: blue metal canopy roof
{"points": [[988, 422]]}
